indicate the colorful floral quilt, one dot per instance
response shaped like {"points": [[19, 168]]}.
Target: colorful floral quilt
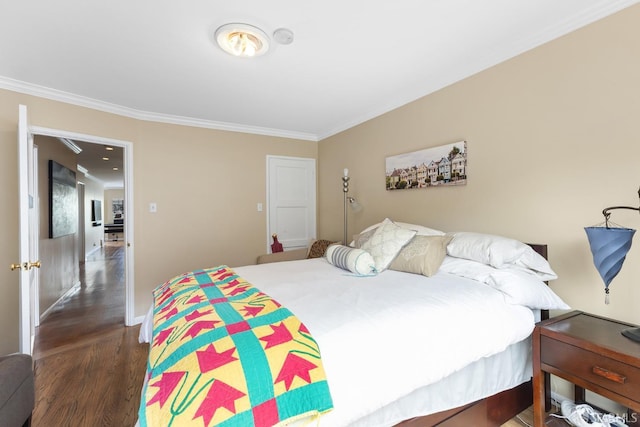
{"points": [[225, 354]]}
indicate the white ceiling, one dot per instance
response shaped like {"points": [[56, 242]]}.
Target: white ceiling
{"points": [[100, 163], [351, 60]]}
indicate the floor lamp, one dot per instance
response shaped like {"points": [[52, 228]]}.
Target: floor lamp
{"points": [[345, 190], [348, 201]]}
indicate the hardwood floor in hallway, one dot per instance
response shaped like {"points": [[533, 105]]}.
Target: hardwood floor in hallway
{"points": [[89, 367]]}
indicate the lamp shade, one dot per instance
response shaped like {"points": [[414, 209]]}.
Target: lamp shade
{"points": [[354, 204], [609, 247]]}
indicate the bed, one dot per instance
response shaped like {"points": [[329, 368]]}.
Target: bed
{"points": [[408, 336]]}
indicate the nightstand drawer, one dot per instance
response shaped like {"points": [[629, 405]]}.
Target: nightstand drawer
{"points": [[611, 374]]}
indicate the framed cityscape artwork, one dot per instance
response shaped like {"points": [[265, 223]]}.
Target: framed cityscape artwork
{"points": [[444, 165]]}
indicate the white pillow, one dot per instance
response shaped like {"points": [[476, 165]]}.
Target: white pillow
{"points": [[355, 260], [421, 229], [525, 289], [498, 252], [466, 268], [387, 241], [485, 248], [532, 260], [520, 287]]}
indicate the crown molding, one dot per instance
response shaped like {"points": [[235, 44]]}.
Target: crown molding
{"points": [[81, 101]]}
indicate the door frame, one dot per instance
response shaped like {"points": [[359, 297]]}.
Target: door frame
{"points": [[34, 244], [82, 246], [127, 147]]}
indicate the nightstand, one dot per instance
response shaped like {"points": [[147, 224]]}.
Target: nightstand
{"points": [[590, 352]]}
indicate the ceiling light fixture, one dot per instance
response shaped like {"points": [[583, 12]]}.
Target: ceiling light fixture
{"points": [[242, 40], [105, 159], [71, 145]]}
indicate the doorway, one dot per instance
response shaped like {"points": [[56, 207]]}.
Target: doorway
{"points": [[127, 177]]}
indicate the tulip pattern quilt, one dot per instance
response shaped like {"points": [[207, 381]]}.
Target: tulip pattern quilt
{"points": [[225, 354]]}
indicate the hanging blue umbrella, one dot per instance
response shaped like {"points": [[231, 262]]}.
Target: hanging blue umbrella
{"points": [[609, 246]]}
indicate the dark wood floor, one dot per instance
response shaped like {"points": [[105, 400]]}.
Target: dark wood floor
{"points": [[88, 366]]}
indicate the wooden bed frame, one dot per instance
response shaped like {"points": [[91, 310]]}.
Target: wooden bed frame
{"points": [[492, 411]]}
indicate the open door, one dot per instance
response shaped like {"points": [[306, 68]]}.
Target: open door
{"points": [[28, 263]]}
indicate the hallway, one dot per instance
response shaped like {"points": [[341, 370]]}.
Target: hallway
{"points": [[88, 366], [96, 308]]}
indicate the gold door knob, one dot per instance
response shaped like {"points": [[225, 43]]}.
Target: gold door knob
{"points": [[16, 266], [33, 264]]}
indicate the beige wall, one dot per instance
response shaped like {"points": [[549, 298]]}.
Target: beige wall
{"points": [[552, 140], [206, 184]]}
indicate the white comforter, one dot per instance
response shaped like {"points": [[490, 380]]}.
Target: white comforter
{"points": [[383, 337]]}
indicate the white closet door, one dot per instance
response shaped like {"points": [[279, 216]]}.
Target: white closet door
{"points": [[291, 195]]}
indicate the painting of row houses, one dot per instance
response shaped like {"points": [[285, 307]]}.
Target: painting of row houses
{"points": [[437, 166]]}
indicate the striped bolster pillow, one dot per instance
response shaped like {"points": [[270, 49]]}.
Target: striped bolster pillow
{"points": [[357, 261]]}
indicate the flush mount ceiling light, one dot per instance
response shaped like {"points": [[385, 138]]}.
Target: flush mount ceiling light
{"points": [[242, 40]]}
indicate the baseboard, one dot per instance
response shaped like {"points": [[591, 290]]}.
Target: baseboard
{"points": [[88, 254], [75, 288]]}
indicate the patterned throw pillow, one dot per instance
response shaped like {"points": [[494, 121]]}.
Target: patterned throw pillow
{"points": [[318, 248], [422, 255], [361, 238], [355, 260], [386, 243]]}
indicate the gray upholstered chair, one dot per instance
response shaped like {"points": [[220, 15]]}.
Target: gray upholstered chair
{"points": [[17, 391]]}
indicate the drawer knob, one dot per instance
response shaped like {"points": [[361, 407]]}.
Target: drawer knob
{"points": [[610, 375]]}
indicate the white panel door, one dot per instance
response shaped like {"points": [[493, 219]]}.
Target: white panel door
{"points": [[28, 242], [291, 195]]}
